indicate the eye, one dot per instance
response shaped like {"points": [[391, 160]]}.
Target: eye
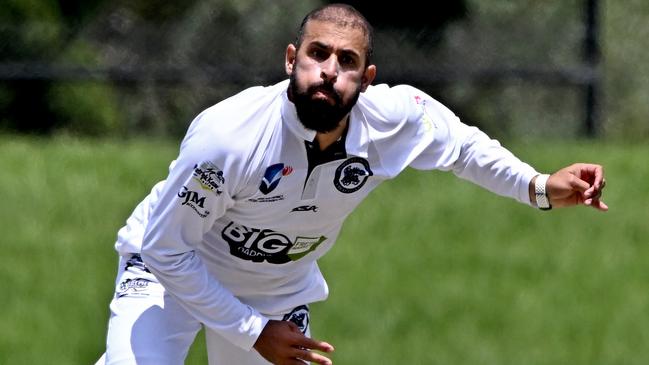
{"points": [[347, 60], [318, 54]]}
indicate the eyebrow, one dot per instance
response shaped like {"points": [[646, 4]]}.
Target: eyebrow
{"points": [[329, 48]]}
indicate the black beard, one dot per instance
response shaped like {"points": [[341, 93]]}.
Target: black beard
{"points": [[319, 115]]}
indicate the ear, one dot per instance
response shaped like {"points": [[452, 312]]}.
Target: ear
{"points": [[368, 77], [291, 53]]}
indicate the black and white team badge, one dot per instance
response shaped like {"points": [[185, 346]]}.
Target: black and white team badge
{"points": [[352, 174], [299, 316]]}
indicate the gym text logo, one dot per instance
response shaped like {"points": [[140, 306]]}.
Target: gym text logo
{"points": [[193, 200]]}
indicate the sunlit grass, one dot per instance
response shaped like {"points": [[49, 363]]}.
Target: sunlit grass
{"points": [[429, 270]]}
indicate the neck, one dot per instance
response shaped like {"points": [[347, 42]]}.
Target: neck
{"points": [[326, 139]]}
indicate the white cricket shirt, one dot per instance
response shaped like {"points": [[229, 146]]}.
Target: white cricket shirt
{"points": [[237, 228]]}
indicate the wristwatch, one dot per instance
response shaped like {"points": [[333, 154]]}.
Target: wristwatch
{"points": [[542, 200]]}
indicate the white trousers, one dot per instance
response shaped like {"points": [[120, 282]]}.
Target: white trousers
{"points": [[147, 325]]}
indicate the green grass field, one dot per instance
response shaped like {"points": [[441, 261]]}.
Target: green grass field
{"points": [[429, 270]]}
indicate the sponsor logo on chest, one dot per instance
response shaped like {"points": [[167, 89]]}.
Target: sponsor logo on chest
{"points": [[259, 245]]}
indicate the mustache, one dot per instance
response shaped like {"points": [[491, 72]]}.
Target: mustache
{"points": [[327, 88]]}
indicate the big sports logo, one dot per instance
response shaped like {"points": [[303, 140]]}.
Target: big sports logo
{"points": [[259, 245]]}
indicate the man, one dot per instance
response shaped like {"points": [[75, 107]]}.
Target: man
{"points": [[261, 187]]}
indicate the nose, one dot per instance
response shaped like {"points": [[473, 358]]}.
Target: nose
{"points": [[329, 69]]}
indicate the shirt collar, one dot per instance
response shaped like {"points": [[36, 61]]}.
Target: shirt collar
{"points": [[357, 140]]}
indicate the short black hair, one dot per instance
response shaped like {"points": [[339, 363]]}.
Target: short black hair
{"points": [[343, 15]]}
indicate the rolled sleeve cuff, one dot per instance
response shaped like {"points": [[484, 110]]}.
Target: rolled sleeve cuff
{"points": [[250, 330], [524, 188]]}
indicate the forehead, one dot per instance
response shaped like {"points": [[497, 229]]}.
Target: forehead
{"points": [[335, 35]]}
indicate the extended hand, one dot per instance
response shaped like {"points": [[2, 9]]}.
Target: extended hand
{"points": [[282, 343], [576, 184]]}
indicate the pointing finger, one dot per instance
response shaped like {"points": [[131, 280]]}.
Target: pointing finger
{"points": [[312, 344], [597, 204], [309, 356]]}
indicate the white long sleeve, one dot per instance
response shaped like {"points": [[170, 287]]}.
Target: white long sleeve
{"points": [[196, 193]]}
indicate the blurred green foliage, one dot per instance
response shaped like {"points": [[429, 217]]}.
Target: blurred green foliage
{"points": [[247, 39], [626, 70]]}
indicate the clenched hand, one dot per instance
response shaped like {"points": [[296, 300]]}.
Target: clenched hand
{"points": [[580, 183], [282, 343]]}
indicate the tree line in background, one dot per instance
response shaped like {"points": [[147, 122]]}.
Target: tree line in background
{"points": [[244, 40], [122, 68]]}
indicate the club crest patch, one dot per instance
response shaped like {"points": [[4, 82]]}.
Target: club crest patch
{"points": [[299, 316], [352, 174]]}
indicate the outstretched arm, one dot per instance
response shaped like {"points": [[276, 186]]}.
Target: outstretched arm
{"points": [[577, 184]]}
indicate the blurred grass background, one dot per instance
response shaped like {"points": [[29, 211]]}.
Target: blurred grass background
{"points": [[430, 270]]}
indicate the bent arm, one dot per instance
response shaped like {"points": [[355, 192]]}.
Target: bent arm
{"points": [[197, 192]]}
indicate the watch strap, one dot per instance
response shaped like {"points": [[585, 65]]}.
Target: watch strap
{"points": [[540, 192]]}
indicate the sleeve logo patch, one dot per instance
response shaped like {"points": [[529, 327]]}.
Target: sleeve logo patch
{"points": [[209, 176], [193, 200], [427, 122], [136, 287]]}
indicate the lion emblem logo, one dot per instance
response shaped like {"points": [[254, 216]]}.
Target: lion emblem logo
{"points": [[352, 174]]}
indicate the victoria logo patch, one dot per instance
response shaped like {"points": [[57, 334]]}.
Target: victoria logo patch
{"points": [[352, 174], [272, 176]]}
